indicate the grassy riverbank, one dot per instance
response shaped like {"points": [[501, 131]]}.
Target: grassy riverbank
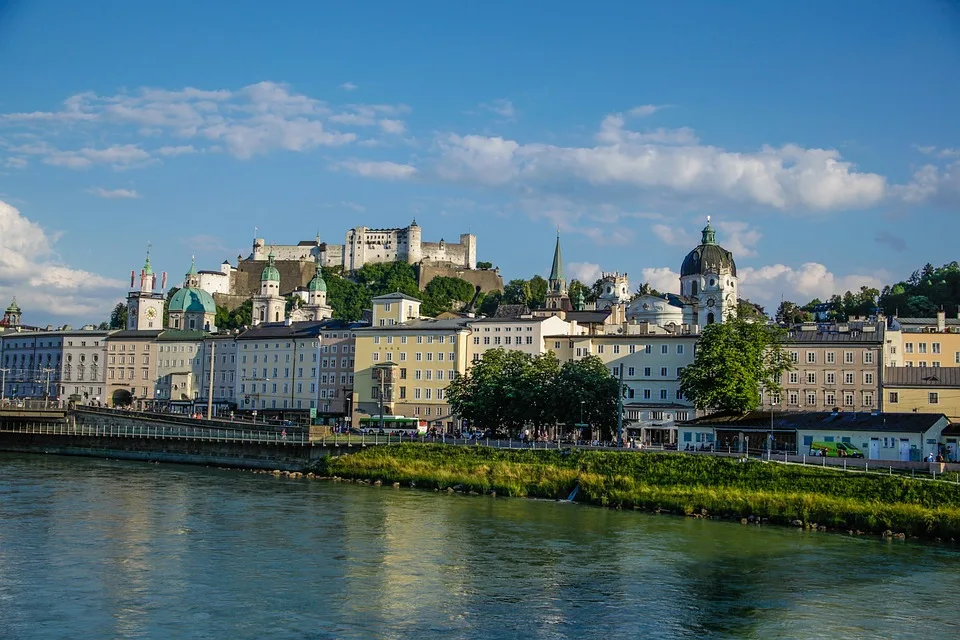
{"points": [[678, 483]]}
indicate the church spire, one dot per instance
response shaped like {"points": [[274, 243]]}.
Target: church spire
{"points": [[557, 282]]}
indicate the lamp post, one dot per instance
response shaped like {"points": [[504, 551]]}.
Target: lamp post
{"points": [[46, 388], [3, 385]]}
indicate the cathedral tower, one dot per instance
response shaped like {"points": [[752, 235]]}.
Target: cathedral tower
{"points": [[145, 306], [269, 305], [709, 276]]}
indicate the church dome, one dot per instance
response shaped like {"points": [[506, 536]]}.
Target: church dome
{"points": [[192, 300], [270, 272], [708, 257], [14, 307], [317, 283]]}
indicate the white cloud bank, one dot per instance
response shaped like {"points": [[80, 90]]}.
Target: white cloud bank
{"points": [[29, 270]]}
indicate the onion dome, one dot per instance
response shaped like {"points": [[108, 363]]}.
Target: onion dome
{"points": [[708, 257], [270, 272], [317, 283]]}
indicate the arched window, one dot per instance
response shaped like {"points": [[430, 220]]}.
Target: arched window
{"points": [[695, 289], [193, 323], [710, 318]]}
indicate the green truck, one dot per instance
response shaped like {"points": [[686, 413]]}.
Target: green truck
{"points": [[835, 450]]}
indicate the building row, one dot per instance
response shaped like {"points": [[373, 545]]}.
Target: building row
{"points": [[303, 363]]}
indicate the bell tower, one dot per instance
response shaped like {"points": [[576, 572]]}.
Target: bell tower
{"points": [[144, 305]]}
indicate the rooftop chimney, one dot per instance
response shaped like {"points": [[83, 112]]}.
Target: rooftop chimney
{"points": [[941, 321]]}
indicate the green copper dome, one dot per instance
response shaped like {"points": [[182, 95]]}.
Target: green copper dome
{"points": [[13, 308], [270, 272], [192, 300], [317, 283]]}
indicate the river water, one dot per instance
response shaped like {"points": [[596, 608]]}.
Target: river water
{"points": [[104, 549]]}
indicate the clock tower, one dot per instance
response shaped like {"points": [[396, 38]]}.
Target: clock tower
{"points": [[144, 306], [708, 277]]}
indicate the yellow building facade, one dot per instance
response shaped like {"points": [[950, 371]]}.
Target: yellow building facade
{"points": [[923, 390], [420, 357]]}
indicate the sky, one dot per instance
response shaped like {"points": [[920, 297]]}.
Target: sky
{"points": [[822, 137]]}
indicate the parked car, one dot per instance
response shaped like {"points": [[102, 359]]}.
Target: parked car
{"points": [[835, 450]]}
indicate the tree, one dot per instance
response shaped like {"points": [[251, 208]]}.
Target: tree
{"points": [[735, 361], [538, 292], [575, 288], [166, 305], [747, 309], [484, 265], [103, 326], [443, 293], [517, 292], [118, 317], [789, 313], [926, 291], [590, 381], [227, 320], [490, 303]]}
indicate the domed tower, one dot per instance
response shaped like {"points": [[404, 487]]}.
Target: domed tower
{"points": [[616, 290], [269, 305], [709, 276], [316, 307], [191, 307], [11, 317], [145, 306]]}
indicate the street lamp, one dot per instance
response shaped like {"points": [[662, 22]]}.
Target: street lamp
{"points": [[3, 384], [46, 388]]}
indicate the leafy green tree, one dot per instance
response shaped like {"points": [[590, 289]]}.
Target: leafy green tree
{"points": [[443, 293], [485, 265], [538, 292], [790, 313], [227, 320], [575, 287], [488, 306], [747, 309], [735, 361], [166, 305], [103, 326], [118, 317], [517, 292], [925, 292], [590, 381]]}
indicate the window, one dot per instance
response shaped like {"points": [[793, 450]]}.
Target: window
{"points": [[921, 347], [811, 377], [794, 377], [631, 371], [811, 357], [556, 345], [936, 347], [663, 372], [894, 397], [646, 371], [908, 347], [794, 356], [933, 397], [646, 394], [868, 357], [867, 377], [848, 378], [648, 348], [922, 363], [664, 348], [476, 339], [794, 398], [811, 398], [935, 364], [679, 349], [663, 394], [830, 357], [848, 399], [867, 398], [830, 399], [956, 357], [848, 357]]}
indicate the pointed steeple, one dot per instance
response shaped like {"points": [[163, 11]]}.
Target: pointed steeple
{"points": [[147, 268], [193, 266], [556, 281], [709, 234]]}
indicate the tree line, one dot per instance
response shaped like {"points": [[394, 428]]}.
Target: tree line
{"points": [[514, 391]]}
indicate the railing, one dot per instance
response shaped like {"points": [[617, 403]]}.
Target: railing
{"points": [[160, 432]]}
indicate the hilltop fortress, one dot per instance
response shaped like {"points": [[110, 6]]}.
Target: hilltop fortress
{"points": [[362, 245]]}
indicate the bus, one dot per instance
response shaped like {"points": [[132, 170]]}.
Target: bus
{"points": [[835, 450], [394, 424]]}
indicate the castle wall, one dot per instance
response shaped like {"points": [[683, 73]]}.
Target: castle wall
{"points": [[487, 280], [214, 282]]}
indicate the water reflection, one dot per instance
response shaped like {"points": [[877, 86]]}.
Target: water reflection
{"points": [[121, 550]]}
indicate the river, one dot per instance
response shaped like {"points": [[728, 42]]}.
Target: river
{"points": [[104, 549]]}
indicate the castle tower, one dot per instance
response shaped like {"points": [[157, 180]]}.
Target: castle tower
{"points": [[145, 306], [269, 305], [469, 242], [11, 317], [414, 243], [316, 307], [557, 297], [709, 276]]}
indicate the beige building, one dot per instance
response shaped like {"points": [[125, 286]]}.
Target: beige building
{"points": [[422, 356], [923, 390], [923, 342], [524, 333], [652, 359], [131, 368], [833, 366]]}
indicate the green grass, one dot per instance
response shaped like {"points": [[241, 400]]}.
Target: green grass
{"points": [[673, 482]]}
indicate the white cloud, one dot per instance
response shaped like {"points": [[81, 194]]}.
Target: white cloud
{"points": [[176, 151], [765, 285], [585, 272], [663, 279], [15, 163], [673, 236], [113, 193], [932, 184], [788, 177], [30, 271], [738, 237], [502, 107], [645, 110], [349, 86], [383, 170], [393, 126], [118, 156]]}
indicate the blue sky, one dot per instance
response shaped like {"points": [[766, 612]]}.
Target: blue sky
{"points": [[822, 137]]}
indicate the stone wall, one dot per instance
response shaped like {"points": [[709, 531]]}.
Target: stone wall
{"points": [[487, 280]]}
